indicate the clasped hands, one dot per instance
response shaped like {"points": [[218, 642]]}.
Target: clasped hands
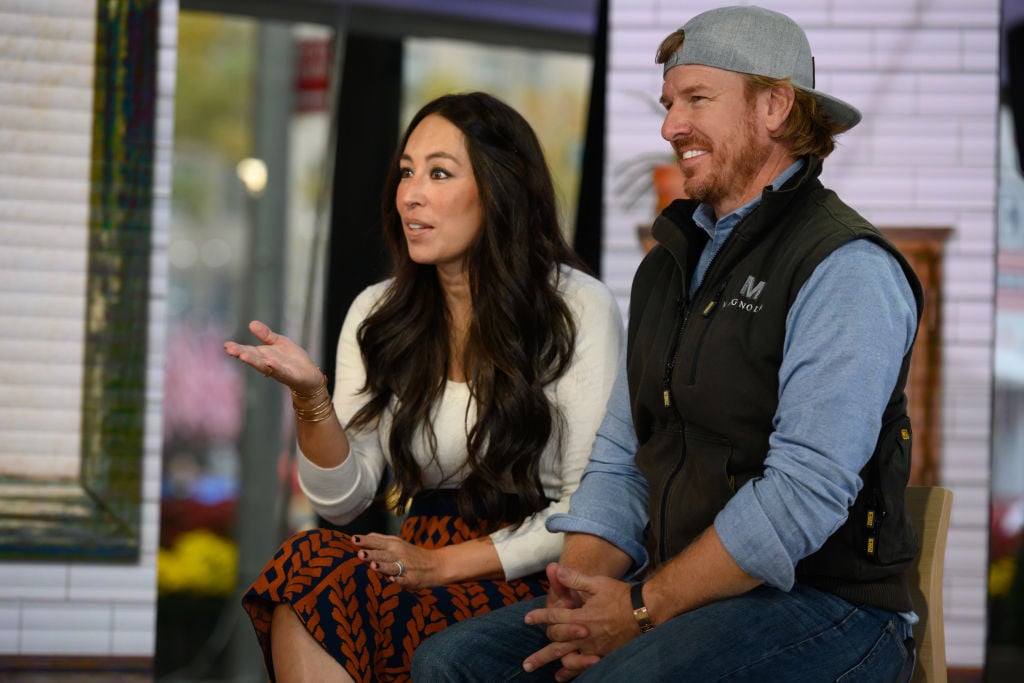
{"points": [[587, 617]]}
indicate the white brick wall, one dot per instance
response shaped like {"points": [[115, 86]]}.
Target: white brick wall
{"points": [[81, 609], [925, 77]]}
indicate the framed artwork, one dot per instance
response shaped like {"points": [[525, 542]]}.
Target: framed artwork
{"points": [[89, 507]]}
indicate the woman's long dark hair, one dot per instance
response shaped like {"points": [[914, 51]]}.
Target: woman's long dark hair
{"points": [[521, 337]]}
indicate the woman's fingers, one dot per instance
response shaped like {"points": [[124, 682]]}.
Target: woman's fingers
{"points": [[376, 546], [278, 357], [262, 332], [384, 553]]}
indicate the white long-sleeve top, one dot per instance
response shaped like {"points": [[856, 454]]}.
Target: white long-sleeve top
{"points": [[340, 493]]}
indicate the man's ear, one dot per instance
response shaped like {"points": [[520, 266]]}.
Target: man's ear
{"points": [[780, 103]]}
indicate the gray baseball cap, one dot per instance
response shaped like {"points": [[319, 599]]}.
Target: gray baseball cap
{"points": [[758, 41]]}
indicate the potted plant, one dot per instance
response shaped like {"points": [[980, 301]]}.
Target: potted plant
{"points": [[650, 171]]}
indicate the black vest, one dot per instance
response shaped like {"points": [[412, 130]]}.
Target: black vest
{"points": [[703, 378]]}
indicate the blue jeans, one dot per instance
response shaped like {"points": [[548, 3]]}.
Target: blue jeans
{"points": [[764, 635]]}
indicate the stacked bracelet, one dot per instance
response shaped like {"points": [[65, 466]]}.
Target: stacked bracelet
{"points": [[321, 411], [322, 389]]}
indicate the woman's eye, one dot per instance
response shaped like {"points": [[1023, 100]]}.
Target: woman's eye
{"points": [[439, 174], [405, 173]]}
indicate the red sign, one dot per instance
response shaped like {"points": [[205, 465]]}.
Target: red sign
{"points": [[312, 72]]}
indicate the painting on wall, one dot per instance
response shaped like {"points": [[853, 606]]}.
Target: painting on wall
{"points": [[88, 509]]}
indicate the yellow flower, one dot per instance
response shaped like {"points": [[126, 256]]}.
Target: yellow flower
{"points": [[1000, 576], [200, 563]]}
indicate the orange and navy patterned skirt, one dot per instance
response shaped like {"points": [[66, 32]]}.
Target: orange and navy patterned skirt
{"points": [[368, 624]]}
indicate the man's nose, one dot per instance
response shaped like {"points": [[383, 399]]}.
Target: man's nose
{"points": [[676, 124]]}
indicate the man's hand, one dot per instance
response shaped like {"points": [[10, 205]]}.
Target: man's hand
{"points": [[581, 635], [560, 595]]}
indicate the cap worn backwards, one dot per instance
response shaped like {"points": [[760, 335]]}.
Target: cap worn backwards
{"points": [[757, 41]]}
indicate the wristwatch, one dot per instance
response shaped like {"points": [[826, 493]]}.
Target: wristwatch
{"points": [[640, 613]]}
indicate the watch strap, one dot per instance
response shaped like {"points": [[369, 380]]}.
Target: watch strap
{"points": [[640, 613]]}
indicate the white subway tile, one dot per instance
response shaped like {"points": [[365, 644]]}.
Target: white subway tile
{"points": [[10, 617], [10, 639], [114, 583], [58, 641], [133, 643], [68, 615], [29, 580]]}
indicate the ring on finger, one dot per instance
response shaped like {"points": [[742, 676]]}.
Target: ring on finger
{"points": [[399, 568]]}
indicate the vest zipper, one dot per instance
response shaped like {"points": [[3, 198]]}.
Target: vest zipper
{"points": [[707, 312], [669, 480], [683, 306], [709, 309]]}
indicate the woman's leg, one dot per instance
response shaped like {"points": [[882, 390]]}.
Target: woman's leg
{"points": [[298, 658]]}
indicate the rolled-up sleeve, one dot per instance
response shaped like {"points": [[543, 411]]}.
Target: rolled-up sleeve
{"points": [[846, 335], [611, 501]]}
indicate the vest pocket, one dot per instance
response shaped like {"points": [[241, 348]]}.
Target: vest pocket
{"points": [[887, 534], [701, 490], [876, 541], [689, 483]]}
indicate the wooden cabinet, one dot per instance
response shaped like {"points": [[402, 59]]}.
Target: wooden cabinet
{"points": [[923, 249]]}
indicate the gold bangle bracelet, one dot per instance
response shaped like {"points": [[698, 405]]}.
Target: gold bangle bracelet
{"points": [[319, 418], [313, 416], [321, 389], [318, 414]]}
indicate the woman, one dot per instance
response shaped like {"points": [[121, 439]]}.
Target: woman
{"points": [[478, 372]]}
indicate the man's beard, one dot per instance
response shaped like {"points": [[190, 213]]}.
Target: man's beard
{"points": [[741, 164]]}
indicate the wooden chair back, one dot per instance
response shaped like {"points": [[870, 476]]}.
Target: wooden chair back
{"points": [[929, 508]]}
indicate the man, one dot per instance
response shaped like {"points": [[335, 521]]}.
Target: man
{"points": [[769, 343]]}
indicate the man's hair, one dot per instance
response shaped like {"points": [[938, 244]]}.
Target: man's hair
{"points": [[807, 131], [672, 42]]}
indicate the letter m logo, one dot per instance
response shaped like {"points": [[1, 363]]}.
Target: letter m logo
{"points": [[752, 289]]}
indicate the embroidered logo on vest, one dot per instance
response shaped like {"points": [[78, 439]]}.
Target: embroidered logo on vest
{"points": [[750, 292], [752, 289]]}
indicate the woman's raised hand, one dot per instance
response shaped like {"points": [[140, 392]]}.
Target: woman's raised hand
{"points": [[279, 357]]}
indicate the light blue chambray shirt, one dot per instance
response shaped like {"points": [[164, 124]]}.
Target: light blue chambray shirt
{"points": [[846, 334]]}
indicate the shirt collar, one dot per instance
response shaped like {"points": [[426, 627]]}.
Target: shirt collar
{"points": [[704, 215]]}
